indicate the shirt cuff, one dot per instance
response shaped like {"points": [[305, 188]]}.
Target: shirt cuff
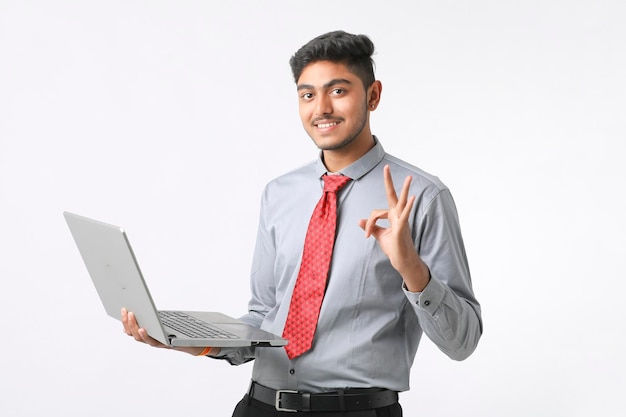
{"points": [[429, 299]]}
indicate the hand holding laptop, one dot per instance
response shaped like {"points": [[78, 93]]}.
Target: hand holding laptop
{"points": [[131, 328], [114, 270]]}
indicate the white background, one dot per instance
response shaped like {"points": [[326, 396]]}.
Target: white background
{"points": [[168, 117]]}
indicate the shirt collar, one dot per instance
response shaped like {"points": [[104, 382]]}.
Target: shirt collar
{"points": [[359, 167]]}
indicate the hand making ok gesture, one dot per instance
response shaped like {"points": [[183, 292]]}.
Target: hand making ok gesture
{"points": [[396, 241]]}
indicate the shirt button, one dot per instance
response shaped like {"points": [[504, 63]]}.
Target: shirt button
{"points": [[427, 303], [292, 371]]}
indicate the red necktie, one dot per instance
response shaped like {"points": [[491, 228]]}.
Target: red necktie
{"points": [[311, 283]]}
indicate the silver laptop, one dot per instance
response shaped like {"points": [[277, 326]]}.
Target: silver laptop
{"points": [[114, 270]]}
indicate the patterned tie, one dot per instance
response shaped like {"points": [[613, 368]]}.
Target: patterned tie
{"points": [[311, 283]]}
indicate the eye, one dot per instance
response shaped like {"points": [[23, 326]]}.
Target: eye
{"points": [[306, 96], [337, 91]]}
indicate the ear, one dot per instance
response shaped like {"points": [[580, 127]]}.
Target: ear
{"points": [[373, 95]]}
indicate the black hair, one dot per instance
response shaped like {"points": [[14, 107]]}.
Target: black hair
{"points": [[355, 51]]}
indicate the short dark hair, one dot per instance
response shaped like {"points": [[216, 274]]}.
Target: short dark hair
{"points": [[355, 51]]}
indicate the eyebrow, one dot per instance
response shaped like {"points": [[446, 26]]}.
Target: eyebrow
{"points": [[325, 86]]}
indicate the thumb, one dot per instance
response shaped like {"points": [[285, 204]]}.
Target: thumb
{"points": [[372, 230]]}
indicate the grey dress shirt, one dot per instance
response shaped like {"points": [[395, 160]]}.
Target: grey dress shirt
{"points": [[369, 326]]}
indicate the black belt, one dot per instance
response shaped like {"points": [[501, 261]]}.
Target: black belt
{"points": [[348, 400]]}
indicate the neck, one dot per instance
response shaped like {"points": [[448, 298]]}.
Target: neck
{"points": [[338, 159]]}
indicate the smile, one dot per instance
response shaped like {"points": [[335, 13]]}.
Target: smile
{"points": [[327, 125]]}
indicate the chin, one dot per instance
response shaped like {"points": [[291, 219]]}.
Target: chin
{"points": [[328, 145]]}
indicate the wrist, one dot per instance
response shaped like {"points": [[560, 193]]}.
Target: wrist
{"points": [[195, 351], [208, 351], [417, 277], [204, 352]]}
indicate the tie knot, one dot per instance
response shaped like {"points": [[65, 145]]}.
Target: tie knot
{"points": [[334, 183]]}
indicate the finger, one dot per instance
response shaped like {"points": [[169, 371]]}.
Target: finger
{"points": [[392, 197], [133, 326], [376, 231], [370, 223], [373, 230], [407, 209], [404, 193], [149, 340], [125, 321]]}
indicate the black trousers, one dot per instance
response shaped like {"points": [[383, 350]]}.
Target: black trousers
{"points": [[249, 407]]}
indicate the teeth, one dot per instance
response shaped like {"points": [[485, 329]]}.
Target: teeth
{"points": [[326, 125]]}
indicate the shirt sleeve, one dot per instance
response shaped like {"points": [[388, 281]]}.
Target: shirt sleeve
{"points": [[447, 309]]}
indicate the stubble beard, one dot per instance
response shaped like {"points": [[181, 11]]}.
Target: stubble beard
{"points": [[350, 138]]}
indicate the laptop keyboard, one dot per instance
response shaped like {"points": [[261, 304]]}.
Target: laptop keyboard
{"points": [[192, 327]]}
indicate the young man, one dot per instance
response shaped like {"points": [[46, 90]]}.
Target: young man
{"points": [[398, 264]]}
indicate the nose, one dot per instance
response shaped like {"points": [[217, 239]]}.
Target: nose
{"points": [[323, 105]]}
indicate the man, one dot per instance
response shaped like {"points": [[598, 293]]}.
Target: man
{"points": [[402, 272]]}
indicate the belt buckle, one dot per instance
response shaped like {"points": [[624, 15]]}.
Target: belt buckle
{"points": [[277, 403]]}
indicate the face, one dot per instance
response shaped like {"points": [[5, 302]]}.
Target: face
{"points": [[334, 106]]}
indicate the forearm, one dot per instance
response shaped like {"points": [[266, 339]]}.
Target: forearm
{"points": [[450, 320]]}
